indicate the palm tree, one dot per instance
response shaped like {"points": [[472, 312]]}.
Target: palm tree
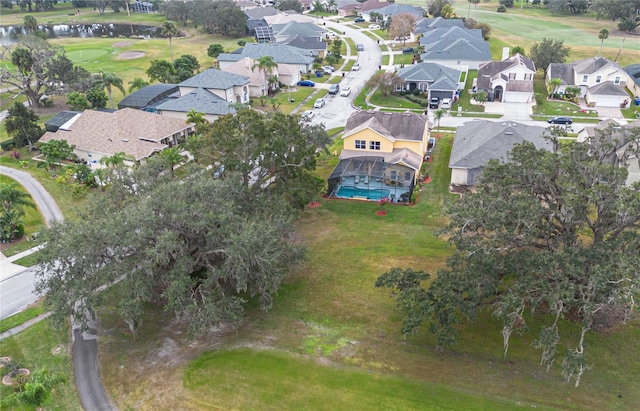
{"points": [[171, 157], [137, 84], [266, 64], [602, 35], [553, 85], [169, 29], [197, 118], [108, 80], [437, 115], [116, 159], [12, 197], [35, 391]]}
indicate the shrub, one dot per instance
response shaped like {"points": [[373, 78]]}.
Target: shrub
{"points": [[501, 9], [7, 145]]}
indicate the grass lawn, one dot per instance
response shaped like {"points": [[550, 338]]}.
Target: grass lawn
{"points": [[393, 101], [25, 315], [402, 58], [465, 96], [385, 59], [41, 347]]}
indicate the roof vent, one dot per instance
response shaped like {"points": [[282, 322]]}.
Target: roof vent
{"points": [[126, 140], [508, 133]]}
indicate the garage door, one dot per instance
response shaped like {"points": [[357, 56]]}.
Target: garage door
{"points": [[514, 97], [608, 101], [440, 94]]}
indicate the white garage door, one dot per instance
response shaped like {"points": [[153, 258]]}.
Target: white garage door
{"points": [[608, 101], [515, 97]]}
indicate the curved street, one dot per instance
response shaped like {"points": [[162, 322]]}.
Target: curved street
{"points": [[17, 291]]}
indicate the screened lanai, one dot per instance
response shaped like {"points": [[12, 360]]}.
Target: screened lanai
{"points": [[371, 178]]}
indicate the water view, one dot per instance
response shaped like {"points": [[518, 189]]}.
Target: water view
{"points": [[9, 34]]}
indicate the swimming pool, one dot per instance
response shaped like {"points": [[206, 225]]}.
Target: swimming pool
{"points": [[372, 194]]}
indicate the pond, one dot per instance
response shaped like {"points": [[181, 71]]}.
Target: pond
{"points": [[9, 34]]}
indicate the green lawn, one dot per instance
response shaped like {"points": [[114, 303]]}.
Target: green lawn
{"points": [[21, 317], [394, 101]]}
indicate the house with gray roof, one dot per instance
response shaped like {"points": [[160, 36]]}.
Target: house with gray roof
{"points": [[455, 47], [394, 9], [147, 98], [200, 100], [290, 59], [426, 24], [590, 74], [477, 142], [633, 71], [434, 79], [293, 29], [311, 45], [228, 86], [509, 80]]}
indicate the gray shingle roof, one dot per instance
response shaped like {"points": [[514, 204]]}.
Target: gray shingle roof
{"points": [[450, 34], [260, 12], [591, 65], [477, 142], [201, 101], [395, 9], [306, 43], [562, 71], [607, 89], [490, 70], [460, 49], [215, 79], [281, 53], [403, 126], [294, 28], [446, 78], [633, 71], [437, 22]]}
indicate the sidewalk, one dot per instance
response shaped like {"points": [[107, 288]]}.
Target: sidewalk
{"points": [[8, 269]]}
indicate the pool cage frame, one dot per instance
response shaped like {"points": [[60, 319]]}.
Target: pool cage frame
{"points": [[366, 178]]}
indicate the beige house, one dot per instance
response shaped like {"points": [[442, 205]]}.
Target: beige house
{"points": [[139, 134], [509, 80], [601, 81], [382, 156]]}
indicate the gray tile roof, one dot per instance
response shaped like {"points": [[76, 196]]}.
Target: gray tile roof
{"points": [[477, 142], [437, 22], [607, 89], [201, 101], [445, 78], [281, 53], [395, 9], [215, 79], [403, 126]]}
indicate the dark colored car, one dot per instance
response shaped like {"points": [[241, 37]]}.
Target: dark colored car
{"points": [[306, 83], [560, 120], [408, 50], [358, 20], [434, 102], [334, 89]]}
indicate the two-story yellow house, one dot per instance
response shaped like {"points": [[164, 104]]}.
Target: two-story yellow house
{"points": [[382, 156]]}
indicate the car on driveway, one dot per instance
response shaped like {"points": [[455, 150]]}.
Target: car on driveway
{"points": [[319, 103], [328, 69], [346, 90], [407, 50], [560, 120], [374, 26], [334, 89], [307, 115], [446, 103], [434, 102], [355, 67], [306, 83], [358, 20]]}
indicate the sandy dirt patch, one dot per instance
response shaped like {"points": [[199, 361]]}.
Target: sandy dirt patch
{"points": [[122, 44], [130, 55]]}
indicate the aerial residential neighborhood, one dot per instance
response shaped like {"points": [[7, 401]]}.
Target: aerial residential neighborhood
{"points": [[322, 205]]}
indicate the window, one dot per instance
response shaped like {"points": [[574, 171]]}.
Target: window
{"points": [[598, 78], [393, 174], [407, 176], [527, 76], [585, 78], [617, 80], [374, 145], [361, 145], [512, 76]]}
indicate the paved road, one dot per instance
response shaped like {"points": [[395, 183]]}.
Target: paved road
{"points": [[16, 292]]}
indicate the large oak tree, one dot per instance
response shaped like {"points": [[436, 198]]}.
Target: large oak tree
{"points": [[552, 234]]}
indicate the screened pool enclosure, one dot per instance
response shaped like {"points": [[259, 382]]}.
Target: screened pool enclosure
{"points": [[371, 178]]}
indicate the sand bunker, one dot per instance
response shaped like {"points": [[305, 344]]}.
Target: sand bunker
{"points": [[129, 55]]}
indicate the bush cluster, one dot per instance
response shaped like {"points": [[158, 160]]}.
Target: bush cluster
{"points": [[422, 101]]}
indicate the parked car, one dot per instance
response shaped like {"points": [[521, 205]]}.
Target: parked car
{"points": [[446, 103], [319, 103], [434, 102], [560, 120], [331, 34], [334, 88], [345, 91], [328, 68], [431, 144], [358, 20], [407, 50], [307, 115], [306, 83], [360, 47], [355, 67], [374, 26]]}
